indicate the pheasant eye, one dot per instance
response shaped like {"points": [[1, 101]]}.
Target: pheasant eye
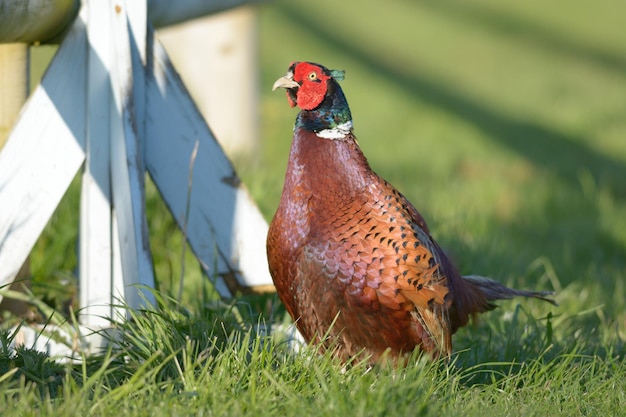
{"points": [[313, 76]]}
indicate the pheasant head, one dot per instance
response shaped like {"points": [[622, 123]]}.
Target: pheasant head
{"points": [[315, 90]]}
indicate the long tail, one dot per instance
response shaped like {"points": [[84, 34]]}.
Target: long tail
{"points": [[493, 290]]}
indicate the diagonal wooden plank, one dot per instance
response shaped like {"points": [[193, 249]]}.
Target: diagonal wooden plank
{"points": [[43, 152], [225, 229]]}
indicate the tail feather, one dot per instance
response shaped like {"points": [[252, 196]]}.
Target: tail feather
{"points": [[493, 290]]}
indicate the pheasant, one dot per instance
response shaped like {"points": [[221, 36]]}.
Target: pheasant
{"points": [[352, 259]]}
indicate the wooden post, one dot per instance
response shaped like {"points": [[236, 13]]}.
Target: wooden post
{"points": [[42, 154], [14, 81], [13, 84], [116, 69], [216, 57]]}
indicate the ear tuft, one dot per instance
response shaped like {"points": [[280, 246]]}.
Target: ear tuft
{"points": [[338, 75]]}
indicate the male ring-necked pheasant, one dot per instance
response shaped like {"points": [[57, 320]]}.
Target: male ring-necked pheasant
{"points": [[352, 259]]}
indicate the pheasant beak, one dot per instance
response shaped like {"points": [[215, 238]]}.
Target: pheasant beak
{"points": [[285, 82]]}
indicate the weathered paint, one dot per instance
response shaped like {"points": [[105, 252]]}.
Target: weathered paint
{"points": [[43, 153], [109, 110], [224, 228]]}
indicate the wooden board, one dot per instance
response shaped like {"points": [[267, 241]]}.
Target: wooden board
{"points": [[112, 100], [224, 227], [43, 153]]}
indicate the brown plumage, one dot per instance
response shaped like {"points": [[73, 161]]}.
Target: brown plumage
{"points": [[352, 259]]}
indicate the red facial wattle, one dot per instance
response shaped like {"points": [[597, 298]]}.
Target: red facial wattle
{"points": [[291, 96], [313, 85]]}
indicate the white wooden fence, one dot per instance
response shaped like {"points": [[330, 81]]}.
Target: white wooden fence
{"points": [[112, 105]]}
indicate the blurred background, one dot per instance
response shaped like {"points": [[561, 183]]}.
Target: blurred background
{"points": [[504, 122]]}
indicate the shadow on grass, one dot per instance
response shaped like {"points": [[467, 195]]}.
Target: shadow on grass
{"points": [[509, 25], [582, 252], [548, 149]]}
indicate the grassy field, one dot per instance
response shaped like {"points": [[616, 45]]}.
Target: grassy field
{"points": [[504, 123]]}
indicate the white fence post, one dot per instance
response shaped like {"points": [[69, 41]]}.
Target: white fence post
{"points": [[214, 56], [128, 30], [43, 153], [112, 100]]}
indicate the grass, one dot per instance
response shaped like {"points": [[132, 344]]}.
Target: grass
{"points": [[504, 124], [169, 362]]}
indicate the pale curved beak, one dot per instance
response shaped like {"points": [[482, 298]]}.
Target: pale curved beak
{"points": [[285, 82]]}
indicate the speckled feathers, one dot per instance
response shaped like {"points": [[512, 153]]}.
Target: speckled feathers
{"points": [[352, 259]]}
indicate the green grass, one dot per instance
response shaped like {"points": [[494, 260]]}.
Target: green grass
{"points": [[170, 362], [503, 122]]}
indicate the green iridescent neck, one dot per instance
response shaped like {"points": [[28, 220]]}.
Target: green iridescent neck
{"points": [[333, 112]]}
